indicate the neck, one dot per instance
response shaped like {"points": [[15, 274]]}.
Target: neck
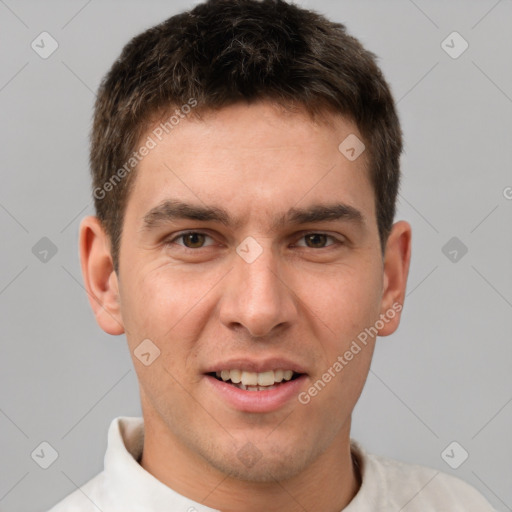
{"points": [[328, 484]]}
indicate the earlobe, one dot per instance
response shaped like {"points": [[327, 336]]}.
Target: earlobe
{"points": [[99, 277], [396, 270]]}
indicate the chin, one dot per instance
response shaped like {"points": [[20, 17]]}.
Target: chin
{"points": [[262, 463], [263, 471]]}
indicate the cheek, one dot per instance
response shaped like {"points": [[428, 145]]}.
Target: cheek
{"points": [[169, 307], [160, 299], [164, 306], [345, 300]]}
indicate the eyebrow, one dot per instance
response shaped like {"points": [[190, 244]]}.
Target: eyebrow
{"points": [[172, 209]]}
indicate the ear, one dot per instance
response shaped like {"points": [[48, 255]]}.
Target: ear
{"points": [[397, 257], [99, 276]]}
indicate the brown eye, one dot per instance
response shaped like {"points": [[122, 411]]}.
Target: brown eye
{"points": [[190, 240], [193, 240], [316, 240]]}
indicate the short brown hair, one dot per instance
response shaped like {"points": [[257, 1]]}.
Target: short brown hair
{"points": [[227, 51]]}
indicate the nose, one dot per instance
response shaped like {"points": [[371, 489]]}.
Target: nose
{"points": [[257, 297]]}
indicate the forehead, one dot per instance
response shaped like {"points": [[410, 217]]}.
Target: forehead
{"points": [[253, 159]]}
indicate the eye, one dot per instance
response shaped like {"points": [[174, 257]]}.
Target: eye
{"points": [[318, 240], [191, 239]]}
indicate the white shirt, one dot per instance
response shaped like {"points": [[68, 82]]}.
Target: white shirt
{"points": [[387, 485]]}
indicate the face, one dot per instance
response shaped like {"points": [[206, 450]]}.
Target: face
{"points": [[250, 245]]}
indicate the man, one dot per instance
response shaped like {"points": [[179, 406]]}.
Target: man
{"points": [[245, 161]]}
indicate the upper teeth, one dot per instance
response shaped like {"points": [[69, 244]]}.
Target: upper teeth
{"points": [[255, 379]]}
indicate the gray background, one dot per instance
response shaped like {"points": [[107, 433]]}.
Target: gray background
{"points": [[444, 376]]}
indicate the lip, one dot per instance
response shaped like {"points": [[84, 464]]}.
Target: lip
{"points": [[253, 365], [256, 401]]}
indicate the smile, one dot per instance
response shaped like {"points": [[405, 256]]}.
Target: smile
{"points": [[255, 381], [278, 388]]}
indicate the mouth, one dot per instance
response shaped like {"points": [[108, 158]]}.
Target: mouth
{"points": [[250, 391], [256, 381]]}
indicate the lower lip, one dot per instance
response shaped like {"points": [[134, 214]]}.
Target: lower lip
{"points": [[257, 401]]}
